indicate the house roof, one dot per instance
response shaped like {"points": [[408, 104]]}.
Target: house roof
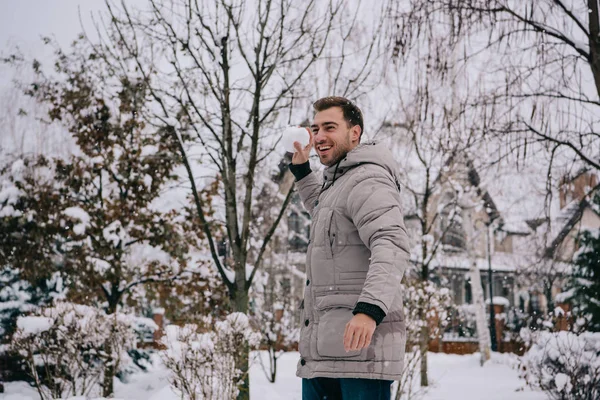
{"points": [[518, 199], [501, 262]]}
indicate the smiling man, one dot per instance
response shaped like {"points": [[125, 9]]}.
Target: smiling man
{"points": [[353, 330]]}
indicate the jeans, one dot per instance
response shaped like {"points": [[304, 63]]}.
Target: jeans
{"points": [[345, 389]]}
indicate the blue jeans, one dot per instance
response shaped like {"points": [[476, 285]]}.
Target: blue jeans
{"points": [[345, 389]]}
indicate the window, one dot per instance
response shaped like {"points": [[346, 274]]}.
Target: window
{"points": [[534, 303], [468, 292], [222, 248], [299, 231], [457, 290]]}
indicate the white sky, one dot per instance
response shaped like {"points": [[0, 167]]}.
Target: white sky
{"points": [[24, 22]]}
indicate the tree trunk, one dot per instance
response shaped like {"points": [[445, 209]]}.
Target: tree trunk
{"points": [[594, 41], [109, 373], [423, 348], [240, 304], [273, 365], [548, 293], [109, 363], [483, 333]]}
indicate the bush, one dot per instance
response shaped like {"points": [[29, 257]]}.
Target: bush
{"points": [[425, 305], [203, 364], [564, 365], [67, 348]]}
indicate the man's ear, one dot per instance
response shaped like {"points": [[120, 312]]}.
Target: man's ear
{"points": [[355, 133]]}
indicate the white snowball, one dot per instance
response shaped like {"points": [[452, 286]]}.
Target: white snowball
{"points": [[294, 134]]}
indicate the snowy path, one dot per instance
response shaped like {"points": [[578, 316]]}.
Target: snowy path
{"points": [[454, 378], [461, 378]]}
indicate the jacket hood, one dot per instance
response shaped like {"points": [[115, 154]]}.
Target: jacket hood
{"points": [[365, 153]]}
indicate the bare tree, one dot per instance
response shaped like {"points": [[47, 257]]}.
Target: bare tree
{"points": [[529, 73], [224, 75], [432, 139], [542, 78]]}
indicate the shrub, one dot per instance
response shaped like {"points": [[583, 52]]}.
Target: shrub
{"points": [[203, 364], [67, 348], [563, 364]]}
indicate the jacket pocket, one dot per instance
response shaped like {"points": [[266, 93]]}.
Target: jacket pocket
{"points": [[335, 311], [329, 234]]}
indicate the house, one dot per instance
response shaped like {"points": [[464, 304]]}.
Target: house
{"points": [[502, 221], [530, 253]]}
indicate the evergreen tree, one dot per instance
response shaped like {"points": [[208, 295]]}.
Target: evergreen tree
{"points": [[586, 276]]}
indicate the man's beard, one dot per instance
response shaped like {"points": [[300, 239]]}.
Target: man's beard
{"points": [[340, 151]]}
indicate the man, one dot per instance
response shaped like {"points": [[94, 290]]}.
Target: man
{"points": [[353, 331]]}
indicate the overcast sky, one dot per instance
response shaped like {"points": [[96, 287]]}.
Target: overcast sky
{"points": [[24, 22]]}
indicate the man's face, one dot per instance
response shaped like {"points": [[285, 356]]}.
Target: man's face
{"points": [[333, 138]]}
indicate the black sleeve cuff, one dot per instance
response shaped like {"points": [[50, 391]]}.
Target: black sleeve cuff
{"points": [[300, 170], [371, 310]]}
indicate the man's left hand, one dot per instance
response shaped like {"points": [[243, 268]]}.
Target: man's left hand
{"points": [[359, 332]]}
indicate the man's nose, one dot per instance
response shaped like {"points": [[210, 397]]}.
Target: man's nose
{"points": [[319, 136]]}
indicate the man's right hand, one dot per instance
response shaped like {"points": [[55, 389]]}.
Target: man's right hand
{"points": [[302, 153]]}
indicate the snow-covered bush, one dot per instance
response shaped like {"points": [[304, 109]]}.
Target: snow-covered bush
{"points": [[563, 364], [69, 348], [273, 316], [463, 323], [203, 364], [279, 333], [425, 305]]}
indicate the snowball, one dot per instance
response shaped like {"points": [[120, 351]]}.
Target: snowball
{"points": [[294, 134]]}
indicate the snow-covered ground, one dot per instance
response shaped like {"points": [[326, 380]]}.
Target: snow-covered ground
{"points": [[453, 378]]}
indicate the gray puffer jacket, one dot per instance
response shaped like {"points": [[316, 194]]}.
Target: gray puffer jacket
{"points": [[358, 252]]}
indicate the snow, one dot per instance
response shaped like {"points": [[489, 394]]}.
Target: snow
{"points": [[79, 214], [9, 193], [560, 380], [17, 169], [9, 211], [500, 261], [452, 377], [499, 301], [113, 233], [294, 134], [461, 377], [33, 325], [563, 297], [149, 150], [147, 180]]}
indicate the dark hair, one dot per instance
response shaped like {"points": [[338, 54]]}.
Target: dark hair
{"points": [[352, 113]]}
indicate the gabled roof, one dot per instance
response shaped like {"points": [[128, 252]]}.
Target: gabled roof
{"points": [[575, 210]]}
